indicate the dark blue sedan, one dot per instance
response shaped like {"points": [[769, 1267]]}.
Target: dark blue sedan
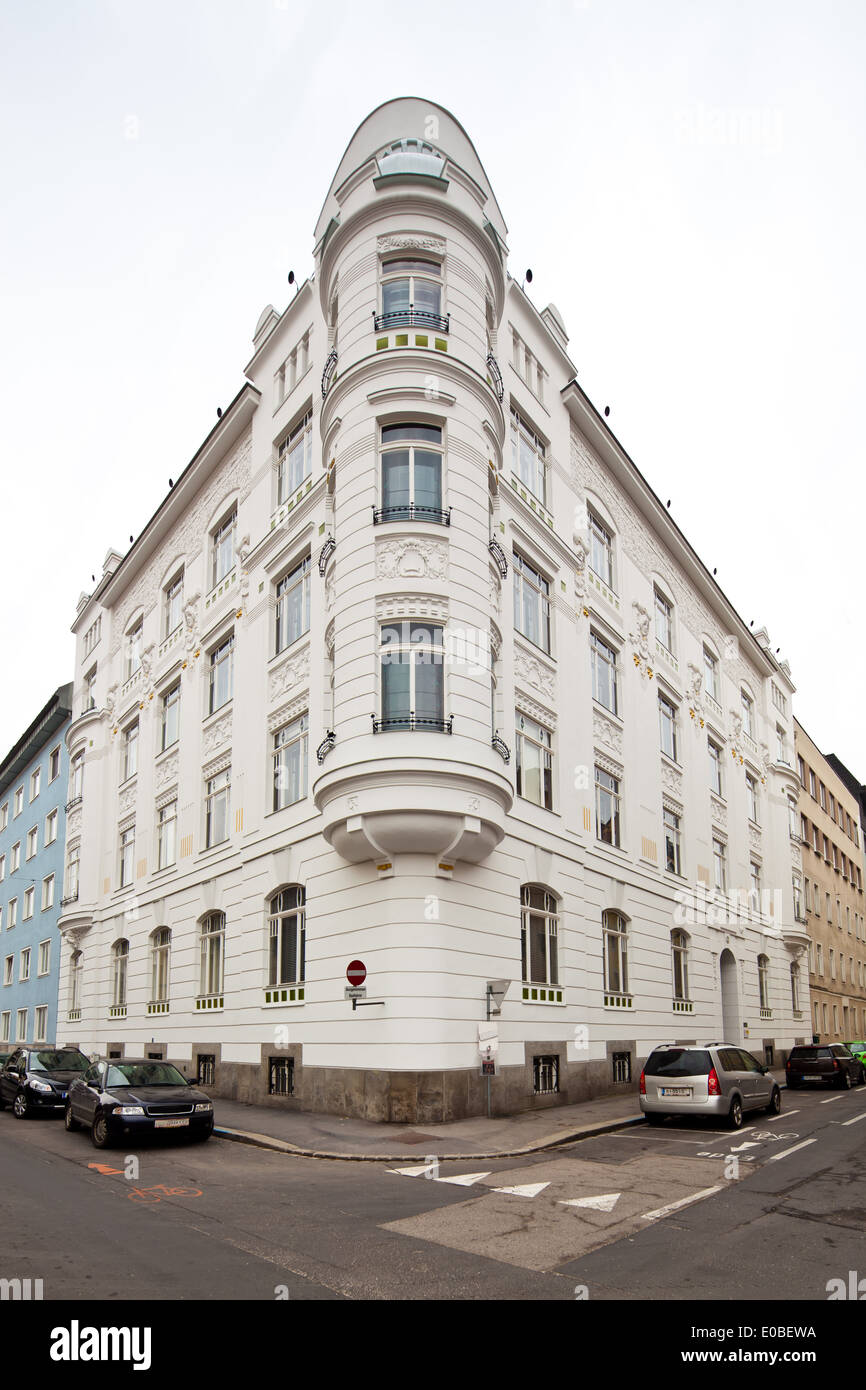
{"points": [[131, 1098]]}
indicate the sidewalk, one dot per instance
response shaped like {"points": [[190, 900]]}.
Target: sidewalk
{"points": [[333, 1136]]}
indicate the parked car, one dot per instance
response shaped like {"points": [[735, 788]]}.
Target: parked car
{"points": [[136, 1097], [830, 1064], [36, 1080], [710, 1079], [859, 1051]]}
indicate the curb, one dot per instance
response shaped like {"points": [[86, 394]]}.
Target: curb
{"points": [[550, 1141]]}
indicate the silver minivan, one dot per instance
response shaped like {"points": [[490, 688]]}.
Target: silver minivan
{"points": [[710, 1079]]}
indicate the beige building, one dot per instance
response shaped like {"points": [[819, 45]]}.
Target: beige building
{"points": [[832, 896]]}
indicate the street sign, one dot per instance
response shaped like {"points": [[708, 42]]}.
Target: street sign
{"points": [[488, 1066], [356, 972], [356, 991]]}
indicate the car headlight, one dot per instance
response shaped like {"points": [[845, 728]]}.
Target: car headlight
{"points": [[206, 1105], [129, 1110], [40, 1085]]}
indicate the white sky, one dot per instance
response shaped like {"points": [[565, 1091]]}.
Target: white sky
{"points": [[686, 181]]}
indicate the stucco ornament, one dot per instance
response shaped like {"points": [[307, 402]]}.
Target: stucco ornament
{"points": [[528, 669], [581, 550], [111, 700], [190, 619], [640, 638], [695, 695], [243, 555], [411, 559]]}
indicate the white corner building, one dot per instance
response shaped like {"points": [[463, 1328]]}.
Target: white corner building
{"points": [[411, 667]]}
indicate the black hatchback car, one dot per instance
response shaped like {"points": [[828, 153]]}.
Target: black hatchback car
{"points": [[831, 1064], [35, 1080], [132, 1098]]}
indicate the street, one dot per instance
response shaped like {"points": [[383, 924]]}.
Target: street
{"points": [[688, 1212]]}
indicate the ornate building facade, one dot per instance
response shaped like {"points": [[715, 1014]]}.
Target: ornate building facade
{"points": [[411, 667]]}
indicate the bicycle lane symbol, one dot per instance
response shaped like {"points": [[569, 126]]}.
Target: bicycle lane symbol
{"points": [[152, 1195]]}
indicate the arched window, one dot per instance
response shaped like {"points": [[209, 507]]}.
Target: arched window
{"points": [[539, 923], [160, 947], [680, 962], [76, 969], [615, 955], [287, 936], [213, 930], [764, 981], [120, 954]]}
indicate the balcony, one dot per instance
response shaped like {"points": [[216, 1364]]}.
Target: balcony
{"points": [[683, 1006], [157, 1006], [69, 900], [413, 722], [117, 1011], [73, 1016], [208, 1002], [412, 318], [412, 512], [618, 1001], [70, 805]]}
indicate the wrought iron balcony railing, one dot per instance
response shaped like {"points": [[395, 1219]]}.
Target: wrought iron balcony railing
{"points": [[329, 371], [499, 556], [412, 722], [325, 746], [412, 318], [412, 512], [501, 747], [495, 376]]}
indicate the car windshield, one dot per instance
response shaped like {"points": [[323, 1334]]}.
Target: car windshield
{"points": [[58, 1061], [144, 1074], [679, 1061]]}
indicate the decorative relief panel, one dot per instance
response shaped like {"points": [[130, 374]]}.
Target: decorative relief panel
{"points": [[73, 822], [126, 801], [530, 670], [292, 709], [216, 735], [718, 812], [540, 713], [605, 731], [403, 241], [672, 780], [608, 764], [412, 606], [287, 677], [754, 837], [166, 772], [411, 558]]}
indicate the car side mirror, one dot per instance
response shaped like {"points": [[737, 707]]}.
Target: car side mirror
{"points": [[765, 1070]]}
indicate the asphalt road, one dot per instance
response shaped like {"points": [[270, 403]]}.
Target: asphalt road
{"points": [[690, 1212]]}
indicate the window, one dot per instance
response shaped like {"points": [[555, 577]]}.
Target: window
{"points": [[8, 970], [223, 549], [120, 962], [664, 620], [528, 460], [71, 884], [545, 1075], [76, 971], [217, 809], [711, 675], [411, 291], [801, 769], [539, 922], [130, 751], [826, 848], [832, 964], [754, 885], [835, 857], [615, 934], [21, 1025], [798, 900], [295, 461], [779, 699], [47, 892], [16, 856], [35, 779], [607, 807], [213, 930], [127, 856], [764, 981], [604, 673], [668, 727], [720, 879], [748, 708], [833, 808], [32, 842], [293, 606], [672, 841], [5, 1027], [19, 800], [534, 761], [89, 700], [172, 605], [13, 914], [169, 718], [281, 1076], [24, 965], [44, 957], [819, 959], [132, 652], [166, 835], [287, 937], [411, 656], [160, 947], [411, 472], [221, 674], [781, 744], [50, 828], [600, 550], [76, 779], [40, 1022], [4, 815], [715, 753], [2, 867], [205, 1068], [290, 763], [92, 635], [822, 795], [752, 797], [680, 963], [531, 603], [29, 898]]}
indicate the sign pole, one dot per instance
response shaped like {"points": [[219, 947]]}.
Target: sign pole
{"points": [[488, 1075]]}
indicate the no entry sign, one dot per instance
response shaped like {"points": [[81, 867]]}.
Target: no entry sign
{"points": [[356, 972]]}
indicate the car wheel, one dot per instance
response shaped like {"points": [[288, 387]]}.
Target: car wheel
{"points": [[793, 1085], [735, 1114], [201, 1136], [99, 1132], [846, 1079], [775, 1105], [69, 1120], [20, 1107], [655, 1119]]}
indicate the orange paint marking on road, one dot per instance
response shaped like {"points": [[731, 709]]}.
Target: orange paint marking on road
{"points": [[156, 1194], [104, 1168]]}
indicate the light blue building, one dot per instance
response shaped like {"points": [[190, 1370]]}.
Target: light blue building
{"points": [[33, 795]]}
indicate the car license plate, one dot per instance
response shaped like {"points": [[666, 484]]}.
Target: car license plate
{"points": [[171, 1124], [814, 1078], [676, 1090]]}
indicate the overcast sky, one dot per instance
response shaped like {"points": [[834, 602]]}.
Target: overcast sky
{"points": [[686, 181]]}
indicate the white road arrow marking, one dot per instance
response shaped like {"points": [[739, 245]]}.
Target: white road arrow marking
{"points": [[748, 1145], [415, 1172], [606, 1202], [529, 1189], [464, 1179]]}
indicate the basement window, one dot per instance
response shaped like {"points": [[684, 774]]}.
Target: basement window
{"points": [[545, 1075]]}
